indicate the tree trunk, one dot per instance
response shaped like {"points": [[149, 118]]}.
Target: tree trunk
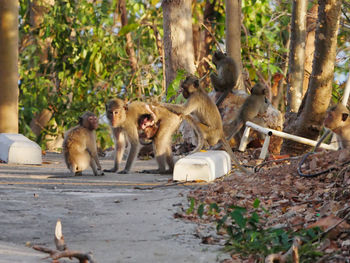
{"points": [[8, 66], [37, 11], [129, 43], [297, 55], [311, 116], [206, 39], [310, 45], [178, 38], [233, 34]]}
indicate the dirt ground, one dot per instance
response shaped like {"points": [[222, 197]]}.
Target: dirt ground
{"points": [[114, 216]]}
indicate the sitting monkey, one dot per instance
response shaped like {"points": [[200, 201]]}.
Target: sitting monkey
{"points": [[338, 120], [79, 146], [227, 75]]}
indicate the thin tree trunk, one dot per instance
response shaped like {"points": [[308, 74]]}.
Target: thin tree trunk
{"points": [[310, 45], [233, 34], [297, 55], [37, 11], [8, 66], [310, 117], [178, 38], [206, 39], [129, 43]]}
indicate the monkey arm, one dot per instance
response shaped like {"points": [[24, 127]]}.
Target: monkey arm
{"points": [[175, 108]]}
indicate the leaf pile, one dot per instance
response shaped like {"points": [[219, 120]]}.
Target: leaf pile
{"points": [[292, 202]]}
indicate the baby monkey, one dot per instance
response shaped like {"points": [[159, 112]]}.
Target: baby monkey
{"points": [[338, 120], [79, 146], [147, 128]]}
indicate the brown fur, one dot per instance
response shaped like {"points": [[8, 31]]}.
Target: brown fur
{"points": [[338, 120], [204, 109], [227, 75], [79, 146], [124, 122], [256, 103]]}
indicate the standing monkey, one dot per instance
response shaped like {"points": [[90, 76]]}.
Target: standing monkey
{"points": [[256, 103], [204, 109], [227, 75], [125, 120], [79, 146], [338, 120]]}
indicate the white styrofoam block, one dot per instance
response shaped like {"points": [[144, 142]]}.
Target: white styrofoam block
{"points": [[202, 166], [16, 148]]}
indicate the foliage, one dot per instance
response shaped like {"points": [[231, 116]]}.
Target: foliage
{"points": [[86, 61], [247, 236], [76, 60]]}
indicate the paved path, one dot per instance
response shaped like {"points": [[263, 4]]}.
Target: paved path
{"points": [[105, 215]]}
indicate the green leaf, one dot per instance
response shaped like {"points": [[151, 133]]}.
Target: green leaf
{"points": [[128, 28], [239, 219], [256, 203], [200, 210]]}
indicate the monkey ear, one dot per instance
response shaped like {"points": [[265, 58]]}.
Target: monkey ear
{"points": [[126, 107], [80, 120], [344, 116]]}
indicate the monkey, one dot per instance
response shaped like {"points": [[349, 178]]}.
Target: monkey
{"points": [[79, 146], [227, 75], [147, 128], [204, 109], [253, 105], [124, 123], [338, 120]]}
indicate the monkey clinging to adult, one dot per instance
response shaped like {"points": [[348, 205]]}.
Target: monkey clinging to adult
{"points": [[338, 120], [227, 75], [204, 109], [79, 146], [124, 120], [147, 128]]}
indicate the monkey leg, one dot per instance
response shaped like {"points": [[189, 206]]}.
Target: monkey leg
{"points": [[120, 144], [134, 150]]}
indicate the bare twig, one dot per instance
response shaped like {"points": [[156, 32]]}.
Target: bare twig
{"points": [[62, 250]]}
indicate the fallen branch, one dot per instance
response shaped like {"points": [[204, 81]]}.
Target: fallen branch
{"points": [[62, 250], [282, 258]]}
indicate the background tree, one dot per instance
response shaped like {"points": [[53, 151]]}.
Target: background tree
{"points": [[8, 66], [316, 101], [178, 38], [297, 55]]}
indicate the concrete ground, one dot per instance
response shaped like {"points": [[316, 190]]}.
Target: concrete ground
{"points": [[105, 215]]}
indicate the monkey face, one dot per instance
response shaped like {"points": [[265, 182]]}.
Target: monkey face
{"points": [[189, 85], [93, 122], [145, 120], [89, 120], [116, 112], [218, 55], [258, 89]]}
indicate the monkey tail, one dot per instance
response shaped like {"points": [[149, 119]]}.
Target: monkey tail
{"points": [[199, 134], [228, 149]]}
